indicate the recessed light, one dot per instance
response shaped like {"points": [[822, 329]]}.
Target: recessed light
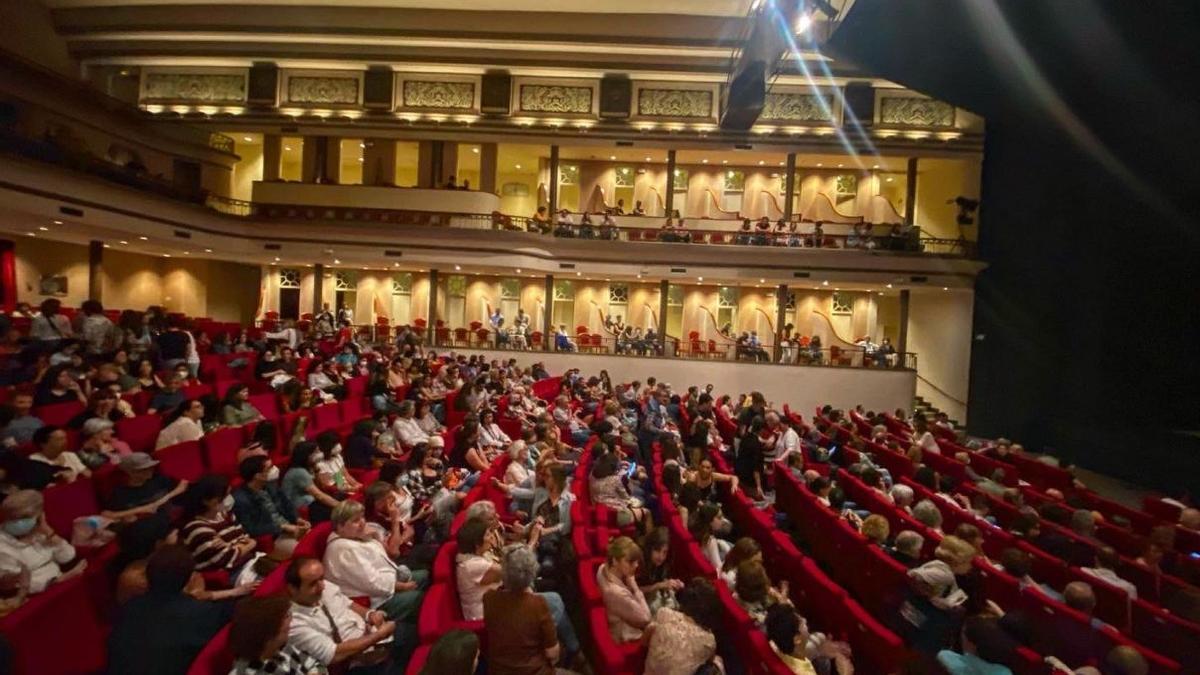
{"points": [[945, 288], [123, 242], [761, 162], [420, 270], [362, 145], [889, 285], [648, 159], [166, 255], [30, 234], [881, 292], [819, 164], [699, 278], [247, 139], [762, 281], [475, 150], [364, 269], [579, 274], [360, 159], [144, 238], [704, 161], [824, 283], [395, 264], [43, 228], [187, 252], [337, 262], [841, 165], [518, 270], [837, 289], [207, 250], [639, 276], [277, 260], [107, 246], [287, 148], [58, 222], [457, 268], [517, 166], [888, 180], [612, 157], [724, 161], [274, 264], [782, 163]]}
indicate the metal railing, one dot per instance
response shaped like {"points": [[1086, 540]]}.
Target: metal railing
{"points": [[229, 206]]}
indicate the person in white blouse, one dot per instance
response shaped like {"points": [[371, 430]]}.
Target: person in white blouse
{"points": [[787, 440], [491, 436], [518, 473], [406, 429], [328, 624], [27, 538], [358, 563], [186, 426]]}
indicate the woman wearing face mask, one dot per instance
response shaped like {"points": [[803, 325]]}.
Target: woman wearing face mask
{"points": [[331, 463], [305, 485], [212, 532], [27, 538]]}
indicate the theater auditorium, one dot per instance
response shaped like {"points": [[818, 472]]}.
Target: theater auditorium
{"points": [[543, 337]]}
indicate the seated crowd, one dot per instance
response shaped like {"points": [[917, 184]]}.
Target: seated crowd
{"points": [[483, 466]]}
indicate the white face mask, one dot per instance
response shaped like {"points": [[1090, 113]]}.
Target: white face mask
{"points": [[273, 474], [227, 503], [404, 503]]}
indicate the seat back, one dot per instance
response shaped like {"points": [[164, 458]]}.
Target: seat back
{"points": [[220, 450], [182, 461], [140, 432], [58, 414], [215, 658]]}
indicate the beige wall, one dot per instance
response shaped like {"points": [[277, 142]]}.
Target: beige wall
{"points": [[939, 332], [248, 170], [28, 31], [217, 289], [940, 181]]}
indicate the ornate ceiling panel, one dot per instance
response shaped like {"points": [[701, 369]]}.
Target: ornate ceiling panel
{"points": [[193, 87], [915, 112], [559, 99]]}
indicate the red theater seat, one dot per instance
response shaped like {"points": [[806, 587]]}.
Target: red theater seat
{"points": [[182, 461], [140, 432]]}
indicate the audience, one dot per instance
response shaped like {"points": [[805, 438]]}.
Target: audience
{"points": [[625, 604], [333, 628], [684, 640], [258, 640]]}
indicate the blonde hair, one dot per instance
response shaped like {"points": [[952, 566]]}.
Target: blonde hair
{"points": [[624, 548], [876, 528], [954, 551], [514, 450]]}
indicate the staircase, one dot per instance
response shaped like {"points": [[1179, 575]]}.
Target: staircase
{"points": [[925, 408]]}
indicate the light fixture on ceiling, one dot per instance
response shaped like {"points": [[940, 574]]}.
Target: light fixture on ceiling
{"points": [[889, 285], [30, 234], [762, 281], [699, 278], [187, 252], [648, 159], [819, 165], [458, 268], [57, 222], [724, 161], [360, 159], [517, 166], [166, 255], [107, 246], [475, 150], [888, 180], [518, 270], [247, 139], [612, 157], [704, 161], [945, 288], [761, 162], [144, 238], [362, 145], [782, 163], [337, 262], [841, 165], [207, 250], [803, 23], [277, 260], [579, 274], [876, 166], [824, 283], [123, 242], [639, 276], [43, 228], [287, 148]]}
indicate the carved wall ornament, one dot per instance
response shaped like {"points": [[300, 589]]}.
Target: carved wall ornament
{"points": [[441, 95], [553, 98], [796, 107], [194, 87], [322, 90], [675, 103], [915, 112]]}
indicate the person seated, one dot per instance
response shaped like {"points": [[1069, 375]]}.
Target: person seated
{"points": [[801, 651], [587, 229], [145, 490], [1189, 519], [58, 386], [684, 640], [744, 233], [28, 539], [563, 341], [491, 437], [258, 640], [99, 447], [236, 409], [21, 423], [359, 563], [331, 463], [164, 629], [540, 222], [331, 627], [762, 231], [817, 238], [259, 504], [51, 444], [624, 603], [475, 573], [564, 226], [755, 593], [986, 648], [1079, 596], [608, 228], [931, 616], [211, 531], [607, 487], [637, 209], [305, 485], [186, 425], [526, 630], [168, 398]]}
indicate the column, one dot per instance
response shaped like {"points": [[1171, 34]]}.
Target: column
{"points": [[318, 288], [379, 161], [431, 326], [449, 167], [333, 160], [669, 199], [427, 158], [272, 156], [95, 269], [902, 343], [789, 186], [548, 313], [488, 154], [312, 159], [553, 179], [781, 296], [664, 289], [910, 192]]}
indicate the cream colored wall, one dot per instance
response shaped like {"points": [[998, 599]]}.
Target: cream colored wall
{"points": [[248, 170], [648, 180], [887, 318], [940, 181], [220, 290], [939, 332]]}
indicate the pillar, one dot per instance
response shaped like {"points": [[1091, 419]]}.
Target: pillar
{"points": [[902, 343], [664, 289], [553, 178], [272, 156], [781, 296], [312, 159], [431, 326], [548, 313], [789, 187], [488, 154], [449, 165], [318, 288], [333, 160], [427, 162], [95, 270], [910, 192], [669, 200], [379, 161]]}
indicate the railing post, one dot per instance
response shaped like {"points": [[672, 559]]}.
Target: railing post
{"points": [[548, 304], [910, 192], [669, 200], [902, 343], [789, 186], [433, 308], [553, 180]]}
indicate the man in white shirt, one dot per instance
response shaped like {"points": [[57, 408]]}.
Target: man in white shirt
{"points": [[185, 428], [358, 563], [328, 624], [787, 440], [1106, 563], [289, 335], [406, 429], [27, 538]]}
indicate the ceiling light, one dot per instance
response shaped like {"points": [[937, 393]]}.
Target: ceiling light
{"points": [[457, 267], [58, 222], [144, 238], [803, 23], [761, 162], [517, 166], [287, 148], [363, 145], [648, 159], [875, 166], [274, 264], [207, 250], [579, 274], [762, 281], [107, 246], [837, 289], [881, 292], [187, 252], [360, 159], [889, 285], [945, 288], [888, 180], [841, 165], [782, 163], [475, 150], [518, 270], [166, 255], [704, 161], [612, 157], [699, 278], [30, 234], [364, 269], [247, 139], [337, 262], [277, 260], [639, 276], [724, 161], [43, 228], [124, 242], [824, 283]]}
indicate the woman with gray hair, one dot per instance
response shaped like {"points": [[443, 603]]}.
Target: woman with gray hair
{"points": [[526, 631], [927, 513], [518, 473], [902, 495], [27, 538]]}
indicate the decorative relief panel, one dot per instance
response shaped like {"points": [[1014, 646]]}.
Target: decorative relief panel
{"points": [[553, 98], [194, 87], [915, 112], [289, 278], [675, 103], [322, 90], [797, 108], [442, 95]]}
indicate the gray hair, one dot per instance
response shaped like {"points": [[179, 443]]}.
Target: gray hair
{"points": [[903, 494], [515, 449], [406, 407], [481, 508], [345, 512], [519, 567], [909, 543], [1083, 522], [22, 504], [927, 514]]}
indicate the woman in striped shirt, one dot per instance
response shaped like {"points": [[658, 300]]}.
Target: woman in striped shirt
{"points": [[212, 532]]}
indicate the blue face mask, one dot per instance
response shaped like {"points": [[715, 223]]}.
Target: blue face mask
{"points": [[21, 527]]}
